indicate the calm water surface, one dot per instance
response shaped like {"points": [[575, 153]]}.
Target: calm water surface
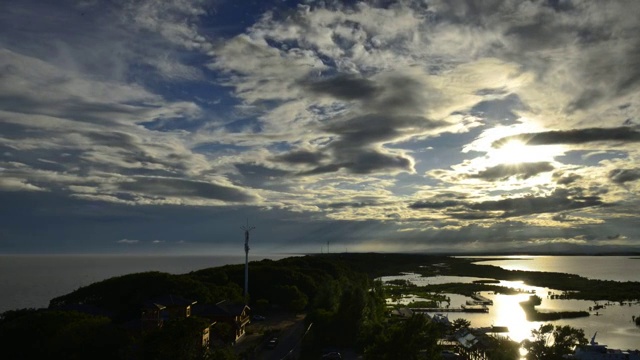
{"points": [[613, 323], [618, 268], [32, 280]]}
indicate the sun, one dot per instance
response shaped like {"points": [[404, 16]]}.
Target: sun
{"points": [[518, 152], [513, 151]]}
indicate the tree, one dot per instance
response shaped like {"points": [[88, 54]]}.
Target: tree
{"points": [[502, 349], [223, 353], [551, 343], [459, 324], [178, 339], [36, 334], [415, 338]]}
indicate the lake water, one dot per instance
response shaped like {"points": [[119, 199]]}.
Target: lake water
{"points": [[30, 281], [613, 323], [618, 268]]}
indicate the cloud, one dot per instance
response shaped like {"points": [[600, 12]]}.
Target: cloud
{"points": [[565, 179], [558, 201], [621, 176], [127, 241], [301, 157], [436, 204], [505, 171], [170, 187], [373, 120], [345, 87], [622, 134], [14, 184], [102, 39]]}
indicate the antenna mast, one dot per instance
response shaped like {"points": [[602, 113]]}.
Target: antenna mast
{"points": [[247, 229]]}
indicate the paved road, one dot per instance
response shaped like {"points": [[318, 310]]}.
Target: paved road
{"points": [[286, 326], [289, 341]]}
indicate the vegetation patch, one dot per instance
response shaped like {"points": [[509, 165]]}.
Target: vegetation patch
{"points": [[529, 307]]}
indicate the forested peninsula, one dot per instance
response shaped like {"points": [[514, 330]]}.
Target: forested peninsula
{"points": [[336, 293]]}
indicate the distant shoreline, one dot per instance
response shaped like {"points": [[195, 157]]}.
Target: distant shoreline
{"points": [[290, 254]]}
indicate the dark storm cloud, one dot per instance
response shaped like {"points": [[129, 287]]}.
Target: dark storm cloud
{"points": [[386, 111], [435, 204], [578, 136], [401, 94], [186, 188], [344, 87], [364, 130], [325, 169], [560, 200], [621, 176], [113, 138], [520, 171], [368, 162], [354, 204], [301, 157], [565, 179]]}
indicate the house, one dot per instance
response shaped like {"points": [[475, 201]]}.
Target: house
{"points": [[164, 308], [175, 307], [403, 313], [152, 316], [234, 315]]}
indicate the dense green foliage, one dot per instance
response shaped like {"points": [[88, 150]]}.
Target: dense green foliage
{"points": [[499, 348], [552, 343], [415, 338], [178, 339], [125, 295], [41, 334], [288, 283], [347, 313]]}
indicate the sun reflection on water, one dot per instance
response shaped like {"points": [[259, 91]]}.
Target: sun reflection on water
{"points": [[507, 312], [613, 323]]}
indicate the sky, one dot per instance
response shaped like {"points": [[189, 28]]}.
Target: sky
{"points": [[164, 127]]}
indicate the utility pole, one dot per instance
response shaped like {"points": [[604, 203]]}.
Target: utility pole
{"points": [[246, 229]]}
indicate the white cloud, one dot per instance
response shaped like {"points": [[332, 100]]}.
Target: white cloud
{"points": [[127, 241], [15, 184]]}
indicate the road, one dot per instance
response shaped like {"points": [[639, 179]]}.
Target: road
{"points": [[288, 344], [286, 326]]}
